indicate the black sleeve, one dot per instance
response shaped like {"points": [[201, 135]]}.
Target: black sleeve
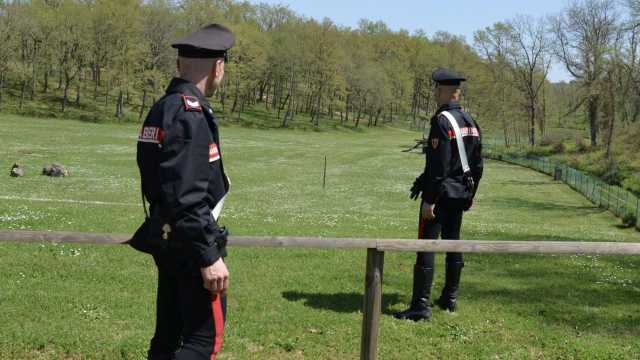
{"points": [[184, 180], [438, 159]]}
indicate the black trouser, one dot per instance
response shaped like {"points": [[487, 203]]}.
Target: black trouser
{"points": [[447, 223], [190, 320]]}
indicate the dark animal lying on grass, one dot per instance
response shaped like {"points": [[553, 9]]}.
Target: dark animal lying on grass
{"points": [[17, 170], [55, 170]]}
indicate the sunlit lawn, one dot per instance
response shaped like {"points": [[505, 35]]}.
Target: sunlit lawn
{"points": [[97, 302]]}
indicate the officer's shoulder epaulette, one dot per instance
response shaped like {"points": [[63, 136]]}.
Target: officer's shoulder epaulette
{"points": [[191, 103], [441, 120]]}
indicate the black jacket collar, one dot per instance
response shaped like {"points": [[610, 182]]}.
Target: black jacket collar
{"points": [[453, 105], [179, 85]]}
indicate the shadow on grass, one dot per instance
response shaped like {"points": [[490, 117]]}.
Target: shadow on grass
{"points": [[527, 182], [340, 302], [520, 203], [534, 237]]}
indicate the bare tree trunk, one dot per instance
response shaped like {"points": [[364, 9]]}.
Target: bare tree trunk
{"points": [[609, 107], [106, 95], [593, 107], [532, 123], [287, 114], [266, 99], [47, 69], [78, 88], [275, 98], [1, 87], [120, 105], [414, 101], [281, 107], [23, 89], [332, 104], [96, 81], [239, 109], [222, 93], [60, 77], [542, 115], [33, 70], [316, 121], [144, 104], [362, 105], [263, 89], [503, 114], [346, 117], [65, 96], [612, 121], [236, 98]]}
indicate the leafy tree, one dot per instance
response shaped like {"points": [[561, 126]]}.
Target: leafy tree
{"points": [[583, 35]]}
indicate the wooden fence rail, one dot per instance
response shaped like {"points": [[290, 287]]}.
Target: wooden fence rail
{"points": [[375, 258]]}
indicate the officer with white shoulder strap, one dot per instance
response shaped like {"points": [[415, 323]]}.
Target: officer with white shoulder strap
{"points": [[447, 187]]}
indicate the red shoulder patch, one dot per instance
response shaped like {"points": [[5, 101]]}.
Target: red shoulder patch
{"points": [[214, 153], [151, 134], [191, 103]]}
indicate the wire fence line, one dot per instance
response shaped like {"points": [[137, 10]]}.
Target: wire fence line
{"points": [[624, 204]]}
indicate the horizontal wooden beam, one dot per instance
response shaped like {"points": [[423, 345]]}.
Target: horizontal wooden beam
{"points": [[244, 241], [514, 247], [61, 237], [467, 246]]}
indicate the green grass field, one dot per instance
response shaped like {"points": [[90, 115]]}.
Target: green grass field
{"points": [[97, 302]]}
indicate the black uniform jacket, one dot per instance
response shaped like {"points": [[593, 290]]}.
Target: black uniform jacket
{"points": [[181, 168], [443, 160]]}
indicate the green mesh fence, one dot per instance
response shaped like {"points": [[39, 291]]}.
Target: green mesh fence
{"points": [[619, 201]]}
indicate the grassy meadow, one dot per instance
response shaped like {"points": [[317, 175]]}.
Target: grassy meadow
{"points": [[63, 301]]}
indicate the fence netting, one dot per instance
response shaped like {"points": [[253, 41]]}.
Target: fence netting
{"points": [[619, 201]]}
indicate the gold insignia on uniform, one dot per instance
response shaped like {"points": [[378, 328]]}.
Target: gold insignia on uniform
{"points": [[435, 143]]}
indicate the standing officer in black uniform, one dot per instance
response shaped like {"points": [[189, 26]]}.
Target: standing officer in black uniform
{"points": [[447, 191], [183, 180]]}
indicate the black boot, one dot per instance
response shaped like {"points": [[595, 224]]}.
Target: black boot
{"points": [[420, 308], [449, 298]]}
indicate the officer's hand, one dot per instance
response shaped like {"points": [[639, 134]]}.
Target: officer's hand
{"points": [[215, 278], [415, 192], [415, 189], [427, 211]]}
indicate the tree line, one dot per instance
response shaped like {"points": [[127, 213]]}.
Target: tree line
{"points": [[112, 58]]}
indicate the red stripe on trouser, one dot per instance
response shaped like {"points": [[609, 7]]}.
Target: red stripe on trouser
{"points": [[421, 228], [218, 323]]}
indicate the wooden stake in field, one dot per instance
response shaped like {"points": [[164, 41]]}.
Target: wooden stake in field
{"points": [[324, 174]]}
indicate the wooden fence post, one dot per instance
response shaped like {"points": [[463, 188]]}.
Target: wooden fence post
{"points": [[372, 306], [638, 213]]}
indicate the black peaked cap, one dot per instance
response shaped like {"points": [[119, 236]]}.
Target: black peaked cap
{"points": [[447, 77], [211, 41]]}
